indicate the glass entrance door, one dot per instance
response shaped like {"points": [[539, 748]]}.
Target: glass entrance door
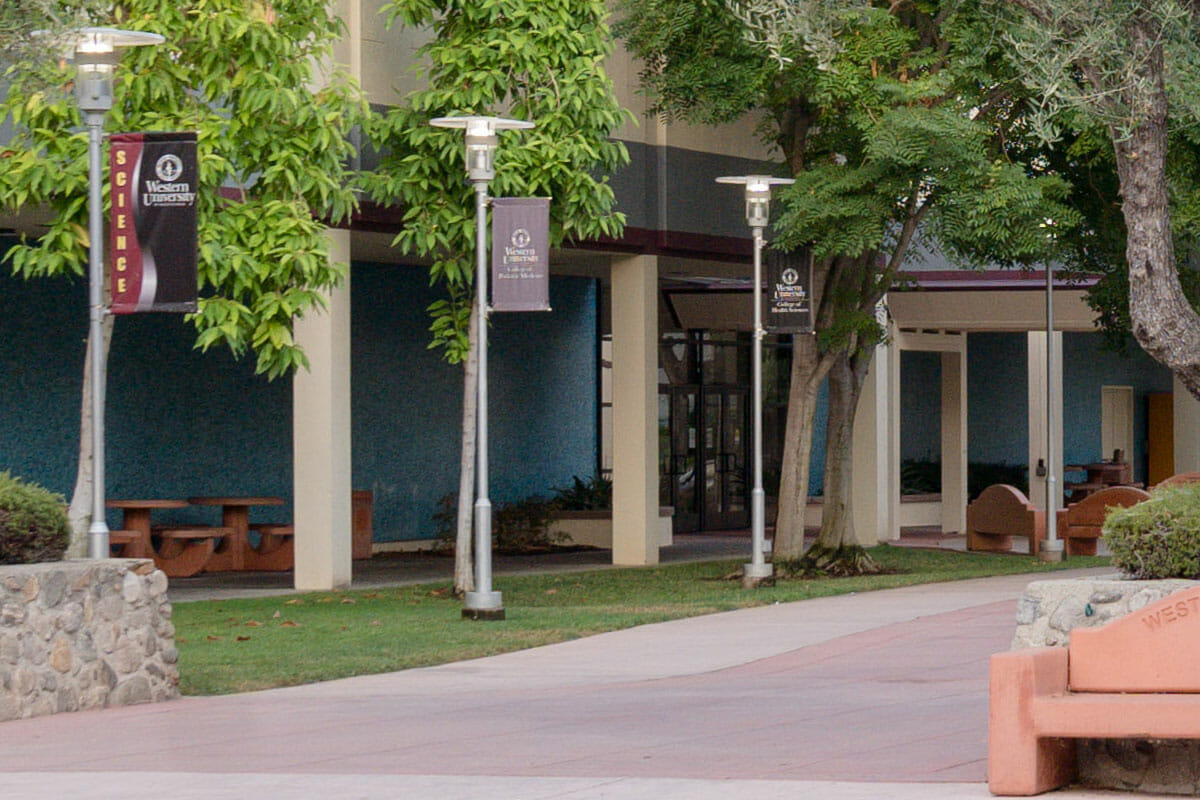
{"points": [[725, 461], [704, 456], [678, 408]]}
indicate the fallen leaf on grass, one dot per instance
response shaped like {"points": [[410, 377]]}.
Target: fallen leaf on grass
{"points": [[294, 602], [346, 601], [439, 593], [289, 624], [552, 591], [275, 615], [325, 600], [253, 624], [212, 638], [242, 639], [372, 596]]}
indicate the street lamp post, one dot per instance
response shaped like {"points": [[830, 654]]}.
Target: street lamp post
{"points": [[96, 52], [483, 603], [758, 209], [1052, 548]]}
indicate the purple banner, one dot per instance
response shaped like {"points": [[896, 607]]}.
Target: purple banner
{"points": [[521, 254]]}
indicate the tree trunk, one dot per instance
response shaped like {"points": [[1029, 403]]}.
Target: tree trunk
{"points": [[464, 576], [79, 512], [836, 550], [808, 370], [1164, 323]]}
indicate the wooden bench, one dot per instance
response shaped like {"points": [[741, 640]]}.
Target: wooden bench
{"points": [[125, 544], [1180, 479], [999, 513], [1134, 678], [185, 550], [1079, 524], [275, 550]]}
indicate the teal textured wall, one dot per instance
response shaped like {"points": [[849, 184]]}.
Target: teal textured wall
{"points": [[997, 394], [181, 423], [408, 401]]}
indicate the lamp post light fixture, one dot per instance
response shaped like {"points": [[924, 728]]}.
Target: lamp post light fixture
{"points": [[96, 51], [483, 603], [758, 212]]}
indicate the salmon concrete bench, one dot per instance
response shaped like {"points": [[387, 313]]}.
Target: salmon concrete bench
{"points": [[1079, 523], [1138, 677], [999, 513], [184, 550]]}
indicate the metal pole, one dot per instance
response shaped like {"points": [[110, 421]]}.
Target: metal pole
{"points": [[757, 569], [1052, 548], [98, 530], [483, 603]]}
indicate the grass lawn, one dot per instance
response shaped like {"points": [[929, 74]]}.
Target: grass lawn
{"points": [[242, 645]]}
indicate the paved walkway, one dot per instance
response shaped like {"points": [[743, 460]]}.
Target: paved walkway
{"points": [[876, 695]]}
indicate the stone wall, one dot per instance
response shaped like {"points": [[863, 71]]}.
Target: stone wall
{"points": [[1046, 613], [84, 634]]}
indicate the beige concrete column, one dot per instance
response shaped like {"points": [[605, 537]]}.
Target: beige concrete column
{"points": [[635, 409], [893, 411], [1187, 429], [954, 440], [872, 455], [321, 438], [1037, 414]]}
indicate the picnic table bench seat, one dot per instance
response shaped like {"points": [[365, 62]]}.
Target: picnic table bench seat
{"points": [[126, 544], [184, 550], [1134, 678], [275, 551]]}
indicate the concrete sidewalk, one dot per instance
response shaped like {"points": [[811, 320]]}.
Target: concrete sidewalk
{"points": [[876, 695]]}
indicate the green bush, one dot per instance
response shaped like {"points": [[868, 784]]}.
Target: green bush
{"points": [[1159, 537], [33, 523], [518, 527], [594, 494]]}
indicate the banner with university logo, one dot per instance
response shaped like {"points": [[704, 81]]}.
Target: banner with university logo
{"points": [[789, 291], [153, 226], [521, 254]]}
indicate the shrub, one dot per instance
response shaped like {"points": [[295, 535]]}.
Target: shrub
{"points": [[594, 494], [518, 527], [524, 526], [920, 476], [33, 523], [1159, 537]]}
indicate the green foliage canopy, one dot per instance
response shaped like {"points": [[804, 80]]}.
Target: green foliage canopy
{"points": [[273, 155], [909, 122], [541, 62]]}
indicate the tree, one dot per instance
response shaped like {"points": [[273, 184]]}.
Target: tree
{"points": [[272, 156], [541, 62], [25, 25], [894, 122], [1125, 66]]}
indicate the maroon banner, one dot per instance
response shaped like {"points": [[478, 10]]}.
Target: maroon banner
{"points": [[521, 254], [153, 228]]}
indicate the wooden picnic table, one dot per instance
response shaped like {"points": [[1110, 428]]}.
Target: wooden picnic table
{"points": [[137, 519], [1100, 475], [234, 552]]}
